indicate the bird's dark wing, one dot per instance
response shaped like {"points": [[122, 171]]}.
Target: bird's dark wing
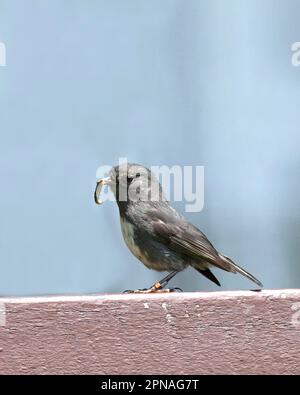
{"points": [[179, 235], [184, 238]]}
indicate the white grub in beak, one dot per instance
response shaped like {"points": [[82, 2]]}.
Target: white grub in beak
{"points": [[100, 184]]}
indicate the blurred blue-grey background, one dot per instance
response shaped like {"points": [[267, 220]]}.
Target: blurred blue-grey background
{"points": [[198, 82]]}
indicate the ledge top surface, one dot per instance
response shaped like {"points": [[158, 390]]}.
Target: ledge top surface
{"points": [[98, 298]]}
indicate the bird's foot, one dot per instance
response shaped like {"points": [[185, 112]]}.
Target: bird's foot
{"points": [[156, 288], [176, 289], [151, 291], [145, 291]]}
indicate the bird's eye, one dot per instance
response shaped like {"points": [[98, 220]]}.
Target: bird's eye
{"points": [[130, 178]]}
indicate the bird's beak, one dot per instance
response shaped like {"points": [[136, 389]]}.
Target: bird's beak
{"points": [[99, 185]]}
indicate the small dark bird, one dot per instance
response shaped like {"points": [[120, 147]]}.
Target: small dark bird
{"points": [[156, 233]]}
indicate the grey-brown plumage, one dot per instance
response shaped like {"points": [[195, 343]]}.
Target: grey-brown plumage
{"points": [[156, 233]]}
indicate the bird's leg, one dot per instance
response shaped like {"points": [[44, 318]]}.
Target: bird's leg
{"points": [[158, 286]]}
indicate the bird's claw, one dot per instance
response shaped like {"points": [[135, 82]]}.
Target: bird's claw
{"points": [[135, 291], [152, 290], [144, 291]]}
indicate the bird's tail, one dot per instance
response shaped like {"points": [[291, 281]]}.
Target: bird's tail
{"points": [[234, 268]]}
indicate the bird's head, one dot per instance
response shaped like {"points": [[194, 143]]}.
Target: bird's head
{"points": [[129, 183]]}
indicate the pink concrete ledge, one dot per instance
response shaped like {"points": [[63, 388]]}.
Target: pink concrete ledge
{"points": [[187, 333]]}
